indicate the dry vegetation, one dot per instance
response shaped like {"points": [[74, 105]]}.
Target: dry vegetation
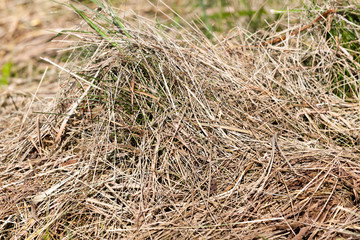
{"points": [[159, 133]]}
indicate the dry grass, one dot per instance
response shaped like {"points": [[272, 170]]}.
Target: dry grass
{"points": [[26, 28], [163, 134]]}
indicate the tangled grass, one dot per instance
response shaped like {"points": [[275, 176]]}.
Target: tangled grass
{"points": [[159, 133]]}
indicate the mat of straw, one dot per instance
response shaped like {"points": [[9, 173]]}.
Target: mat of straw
{"points": [[160, 134]]}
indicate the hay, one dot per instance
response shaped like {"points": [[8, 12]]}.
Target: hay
{"points": [[160, 134]]}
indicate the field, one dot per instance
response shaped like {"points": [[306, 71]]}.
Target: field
{"points": [[179, 119]]}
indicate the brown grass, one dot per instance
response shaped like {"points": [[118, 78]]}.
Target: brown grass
{"points": [[171, 136]]}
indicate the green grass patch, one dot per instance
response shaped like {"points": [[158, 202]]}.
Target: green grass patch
{"points": [[5, 74]]}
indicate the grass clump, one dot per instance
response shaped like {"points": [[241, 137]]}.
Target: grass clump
{"points": [[159, 133]]}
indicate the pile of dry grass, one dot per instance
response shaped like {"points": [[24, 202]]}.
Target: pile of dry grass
{"points": [[160, 134]]}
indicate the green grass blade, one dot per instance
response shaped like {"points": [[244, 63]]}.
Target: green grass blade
{"points": [[89, 22], [117, 22], [92, 24], [204, 13]]}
